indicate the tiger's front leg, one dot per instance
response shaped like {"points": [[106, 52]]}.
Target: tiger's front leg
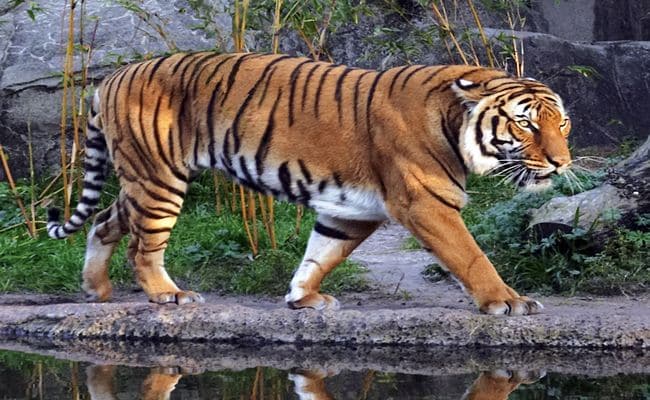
{"points": [[442, 231], [330, 242]]}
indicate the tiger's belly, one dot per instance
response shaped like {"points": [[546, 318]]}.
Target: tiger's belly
{"points": [[325, 196], [350, 203]]}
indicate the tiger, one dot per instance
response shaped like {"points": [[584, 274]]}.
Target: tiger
{"points": [[158, 385], [490, 385], [359, 147]]}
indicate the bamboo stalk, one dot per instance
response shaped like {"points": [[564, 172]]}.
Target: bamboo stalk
{"points": [[275, 42], [484, 39], [244, 213], [443, 21], [14, 191], [217, 193], [252, 213], [270, 205], [64, 107], [32, 184]]}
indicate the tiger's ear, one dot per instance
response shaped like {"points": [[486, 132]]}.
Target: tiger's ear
{"points": [[469, 92]]}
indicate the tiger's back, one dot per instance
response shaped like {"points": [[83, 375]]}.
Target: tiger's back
{"points": [[290, 127], [358, 146]]}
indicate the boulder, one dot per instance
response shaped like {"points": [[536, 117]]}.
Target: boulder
{"points": [[625, 195]]}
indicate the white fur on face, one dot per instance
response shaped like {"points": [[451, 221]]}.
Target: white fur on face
{"points": [[470, 149]]}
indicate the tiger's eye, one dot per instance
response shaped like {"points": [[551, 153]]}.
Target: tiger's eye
{"points": [[524, 123]]}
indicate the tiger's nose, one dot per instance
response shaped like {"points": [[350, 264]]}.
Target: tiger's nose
{"points": [[561, 163]]}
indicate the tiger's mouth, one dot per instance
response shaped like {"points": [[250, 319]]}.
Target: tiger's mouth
{"points": [[523, 177]]}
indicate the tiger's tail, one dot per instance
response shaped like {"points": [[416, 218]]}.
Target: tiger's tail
{"points": [[95, 171]]}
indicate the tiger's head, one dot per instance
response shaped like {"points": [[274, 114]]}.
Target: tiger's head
{"points": [[516, 128]]}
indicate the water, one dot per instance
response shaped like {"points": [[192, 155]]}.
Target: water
{"points": [[108, 370]]}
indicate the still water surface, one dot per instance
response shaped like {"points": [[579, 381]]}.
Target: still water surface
{"points": [[33, 376]]}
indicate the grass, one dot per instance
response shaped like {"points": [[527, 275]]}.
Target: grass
{"points": [[206, 252]]}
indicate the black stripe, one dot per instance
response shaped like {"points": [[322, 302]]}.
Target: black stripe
{"points": [[88, 201], [479, 135], [103, 216], [330, 232], [337, 179], [249, 97], [452, 140], [88, 167], [93, 186], [67, 230], [410, 74], [306, 85], [151, 231], [263, 148], [266, 86], [217, 67], [305, 196], [159, 146], [320, 88], [156, 65], [225, 152], [371, 94], [250, 182], [180, 62], [143, 211], [165, 210], [143, 134], [233, 74], [116, 92], [305, 171], [157, 197], [442, 86], [435, 73], [447, 171], [292, 87], [285, 179], [322, 185], [356, 95], [337, 91], [437, 196], [210, 121], [81, 215], [199, 68], [396, 77]]}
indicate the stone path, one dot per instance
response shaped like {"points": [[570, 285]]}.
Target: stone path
{"points": [[401, 309]]}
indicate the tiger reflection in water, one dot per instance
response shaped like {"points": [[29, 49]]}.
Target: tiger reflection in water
{"points": [[308, 385], [158, 385]]}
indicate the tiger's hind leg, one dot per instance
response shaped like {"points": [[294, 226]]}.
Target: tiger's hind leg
{"points": [[330, 242], [150, 223], [107, 231]]}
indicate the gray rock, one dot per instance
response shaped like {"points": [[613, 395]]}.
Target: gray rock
{"points": [[627, 194], [32, 55], [609, 105], [589, 20]]}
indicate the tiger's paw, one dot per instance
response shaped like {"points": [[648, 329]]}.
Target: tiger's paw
{"points": [[97, 294], [518, 306], [180, 297], [316, 301]]}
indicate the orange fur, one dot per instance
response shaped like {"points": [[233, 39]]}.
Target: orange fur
{"points": [[358, 146]]}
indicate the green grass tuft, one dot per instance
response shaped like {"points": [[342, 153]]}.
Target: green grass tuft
{"points": [[208, 252]]}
